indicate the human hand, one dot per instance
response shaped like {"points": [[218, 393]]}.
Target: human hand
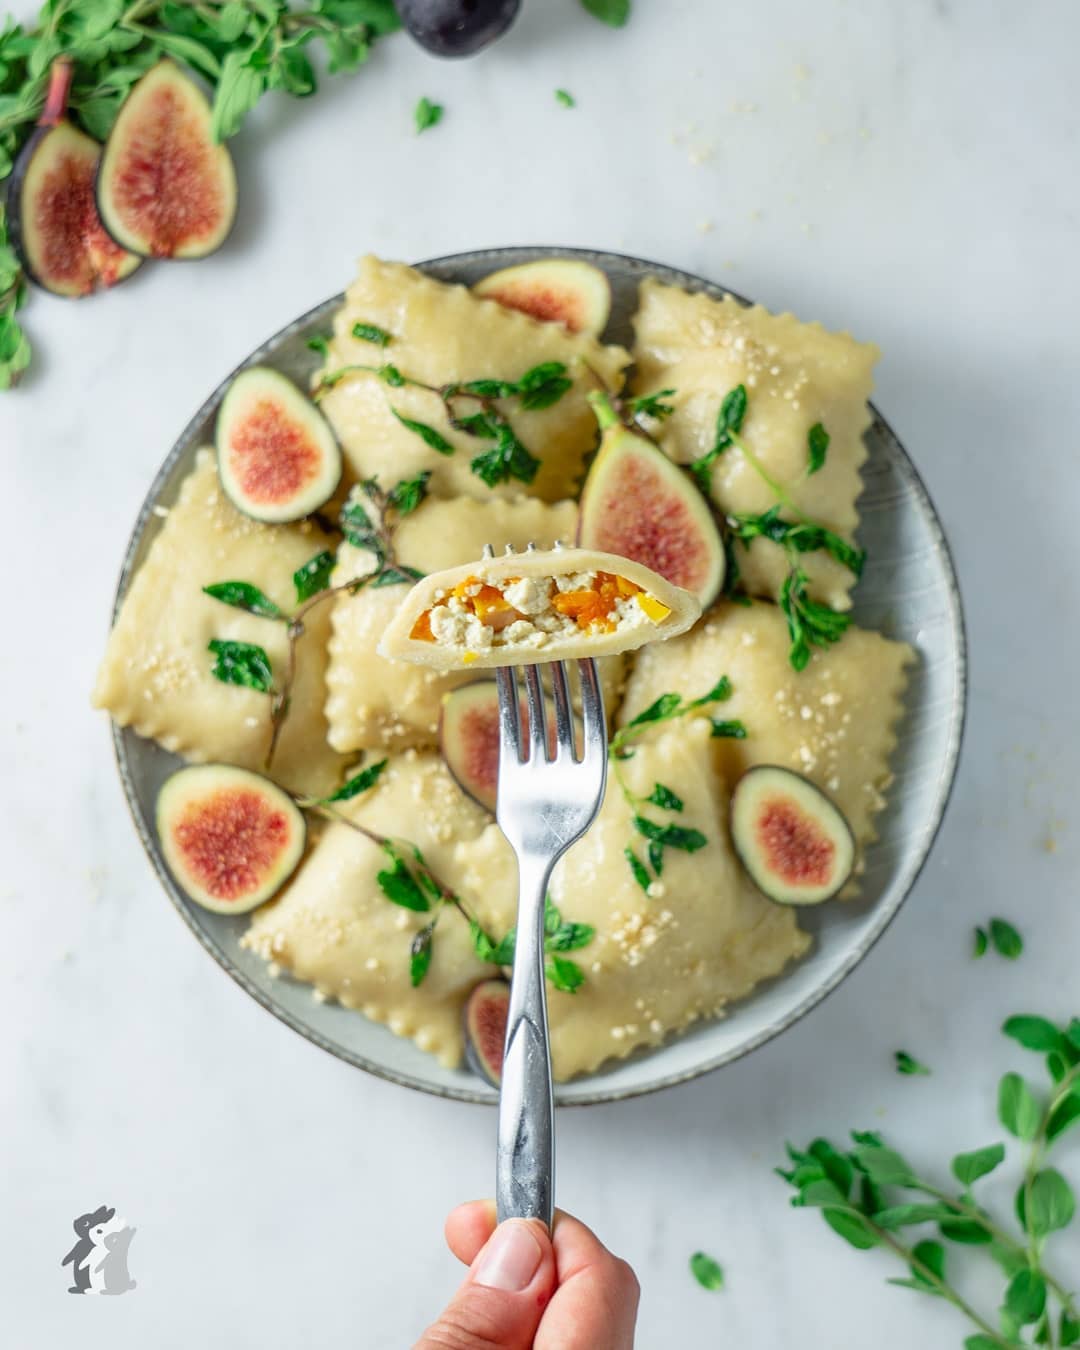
{"points": [[528, 1291]]}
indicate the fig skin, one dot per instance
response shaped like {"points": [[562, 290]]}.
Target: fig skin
{"points": [[278, 459], [53, 220], [798, 818], [230, 837], [654, 526], [554, 290], [164, 189], [478, 703], [485, 1017], [456, 27]]}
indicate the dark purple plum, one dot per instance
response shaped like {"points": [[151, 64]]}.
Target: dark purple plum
{"points": [[457, 27]]}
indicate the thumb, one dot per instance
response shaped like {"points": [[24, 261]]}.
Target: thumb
{"points": [[500, 1304]]}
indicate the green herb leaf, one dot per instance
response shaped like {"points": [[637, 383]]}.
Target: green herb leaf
{"points": [[853, 1228], [969, 1167], [1025, 1298], [371, 332], [905, 1216], [652, 405], [729, 422], [981, 1342], [664, 797], [1018, 1109], [884, 1166], [1064, 1115], [477, 424], [313, 576], [420, 953], [906, 1064], [979, 943], [427, 114], [612, 12], [638, 868], [486, 388], [241, 663], [809, 623], [564, 974], [966, 1232], [390, 375], [1007, 941], [817, 446], [569, 937], [399, 885], [240, 86], [719, 693], [427, 434], [543, 385], [1034, 1033], [507, 459], [706, 1271], [1070, 1330], [242, 595], [732, 729], [663, 708], [671, 836], [656, 856], [359, 782], [565, 98], [1052, 1204], [407, 495]]}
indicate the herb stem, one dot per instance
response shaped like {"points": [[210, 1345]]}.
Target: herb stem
{"points": [[777, 489], [940, 1286]]}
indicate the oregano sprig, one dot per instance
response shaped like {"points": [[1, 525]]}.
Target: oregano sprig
{"points": [[871, 1196], [367, 521], [508, 458]]}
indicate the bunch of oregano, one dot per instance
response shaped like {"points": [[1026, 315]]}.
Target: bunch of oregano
{"points": [[873, 1197]]}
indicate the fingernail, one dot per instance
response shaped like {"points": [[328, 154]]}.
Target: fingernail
{"points": [[511, 1258]]}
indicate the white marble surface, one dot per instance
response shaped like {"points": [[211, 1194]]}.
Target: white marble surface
{"points": [[905, 170]]}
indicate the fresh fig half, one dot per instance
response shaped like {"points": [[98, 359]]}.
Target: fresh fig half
{"points": [[792, 839], [52, 216], [164, 189], [277, 457], [469, 737], [558, 290], [485, 1018], [637, 503], [231, 838]]}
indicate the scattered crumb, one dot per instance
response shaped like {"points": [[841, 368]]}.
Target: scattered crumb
{"points": [[756, 213], [802, 72], [700, 154], [865, 134], [824, 138], [706, 226], [738, 106], [806, 228]]}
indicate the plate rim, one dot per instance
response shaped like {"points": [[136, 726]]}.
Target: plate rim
{"points": [[947, 780]]}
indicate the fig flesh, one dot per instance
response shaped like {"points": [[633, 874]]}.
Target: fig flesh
{"points": [[164, 189], [457, 27], [558, 290], [485, 1018], [53, 218], [469, 737], [231, 838], [791, 838], [277, 457], [637, 503]]}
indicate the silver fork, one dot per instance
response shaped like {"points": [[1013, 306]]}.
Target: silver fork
{"points": [[545, 803]]}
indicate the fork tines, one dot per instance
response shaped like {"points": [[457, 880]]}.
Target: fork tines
{"points": [[537, 747]]}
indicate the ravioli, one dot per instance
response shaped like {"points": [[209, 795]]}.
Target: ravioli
{"points": [[543, 605], [156, 673], [379, 703], [833, 722], [701, 938], [796, 376], [334, 928], [441, 334]]}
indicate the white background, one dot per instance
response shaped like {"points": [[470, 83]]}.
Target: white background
{"points": [[906, 170]]}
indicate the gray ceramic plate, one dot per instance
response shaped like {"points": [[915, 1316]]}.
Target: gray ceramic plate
{"points": [[909, 590]]}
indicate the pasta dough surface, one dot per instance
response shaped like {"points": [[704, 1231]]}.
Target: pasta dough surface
{"points": [[334, 927], [377, 703], [701, 938], [155, 676], [442, 334], [833, 722], [796, 374]]}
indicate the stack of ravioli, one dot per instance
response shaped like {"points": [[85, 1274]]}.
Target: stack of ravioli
{"points": [[701, 936]]}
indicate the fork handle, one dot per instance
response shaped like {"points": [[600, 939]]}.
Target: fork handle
{"points": [[525, 1163]]}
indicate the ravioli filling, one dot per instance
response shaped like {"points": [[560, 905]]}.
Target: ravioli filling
{"points": [[531, 611]]}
